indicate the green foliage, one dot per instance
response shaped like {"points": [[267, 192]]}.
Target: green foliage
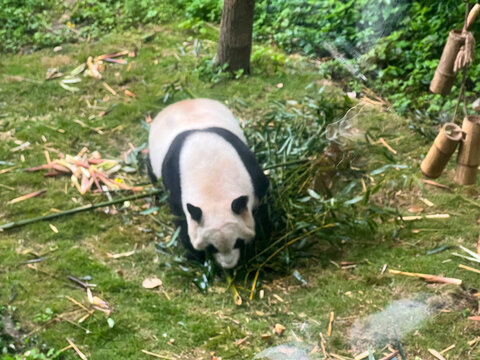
{"points": [[396, 44], [207, 10], [306, 204], [51, 22], [403, 63], [44, 316], [304, 25], [25, 22], [96, 17]]}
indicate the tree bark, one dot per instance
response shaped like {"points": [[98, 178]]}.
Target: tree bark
{"points": [[235, 42]]}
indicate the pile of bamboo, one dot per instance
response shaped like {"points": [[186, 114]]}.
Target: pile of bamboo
{"points": [[86, 170]]}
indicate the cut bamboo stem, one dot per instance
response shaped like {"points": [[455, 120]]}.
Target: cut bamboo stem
{"points": [[442, 149], [19, 223], [427, 277], [444, 77], [469, 154]]}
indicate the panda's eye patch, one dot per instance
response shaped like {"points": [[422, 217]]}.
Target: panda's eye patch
{"points": [[211, 249], [239, 243]]}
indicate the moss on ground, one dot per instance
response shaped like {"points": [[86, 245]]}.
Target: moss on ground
{"points": [[178, 321]]}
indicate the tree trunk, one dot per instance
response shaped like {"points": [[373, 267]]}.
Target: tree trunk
{"points": [[235, 42]]}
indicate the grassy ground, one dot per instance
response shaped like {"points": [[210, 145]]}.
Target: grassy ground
{"points": [[178, 321]]}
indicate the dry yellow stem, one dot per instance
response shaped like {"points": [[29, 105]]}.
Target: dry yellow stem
{"points": [[436, 354], [77, 350], [25, 197], [384, 143], [330, 324], [427, 277], [469, 268]]}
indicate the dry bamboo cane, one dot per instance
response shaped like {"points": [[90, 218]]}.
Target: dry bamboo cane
{"points": [[23, 222], [444, 75], [442, 149], [469, 153]]}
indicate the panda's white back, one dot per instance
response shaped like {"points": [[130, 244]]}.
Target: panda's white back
{"points": [[187, 115]]}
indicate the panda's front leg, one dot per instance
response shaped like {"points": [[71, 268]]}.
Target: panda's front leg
{"points": [[191, 253]]}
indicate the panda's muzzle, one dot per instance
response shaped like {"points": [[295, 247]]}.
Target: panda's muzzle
{"points": [[228, 261]]}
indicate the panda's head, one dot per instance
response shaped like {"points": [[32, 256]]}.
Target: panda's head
{"points": [[222, 229]]}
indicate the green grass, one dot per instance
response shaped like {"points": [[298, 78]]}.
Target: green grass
{"points": [[199, 323]]}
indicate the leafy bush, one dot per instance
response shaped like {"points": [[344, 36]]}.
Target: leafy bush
{"points": [[207, 10], [95, 17], [41, 23], [25, 22], [304, 25], [396, 44], [403, 63]]}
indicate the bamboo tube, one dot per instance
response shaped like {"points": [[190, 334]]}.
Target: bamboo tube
{"points": [[444, 75], [442, 149], [469, 154]]}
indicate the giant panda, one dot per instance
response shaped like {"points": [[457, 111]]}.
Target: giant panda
{"points": [[215, 184]]}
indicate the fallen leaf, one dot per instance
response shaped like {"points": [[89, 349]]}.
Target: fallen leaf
{"points": [[99, 302], [125, 254], [265, 336], [54, 229], [89, 295], [415, 209], [436, 354], [20, 147], [129, 93], [109, 88], [25, 197], [151, 283], [279, 329]]}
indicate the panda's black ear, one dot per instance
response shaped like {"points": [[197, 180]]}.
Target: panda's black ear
{"points": [[195, 212], [239, 204]]}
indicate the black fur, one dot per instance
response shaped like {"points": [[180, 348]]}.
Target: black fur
{"points": [[153, 179], [171, 166], [150, 172], [195, 212], [239, 204], [171, 175]]}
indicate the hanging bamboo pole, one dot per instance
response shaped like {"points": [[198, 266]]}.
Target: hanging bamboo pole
{"points": [[469, 153], [444, 77], [442, 149]]}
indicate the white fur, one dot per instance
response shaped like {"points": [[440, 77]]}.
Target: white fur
{"points": [[212, 175], [187, 115]]}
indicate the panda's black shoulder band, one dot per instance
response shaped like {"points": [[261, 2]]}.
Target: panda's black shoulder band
{"points": [[259, 180], [171, 172]]}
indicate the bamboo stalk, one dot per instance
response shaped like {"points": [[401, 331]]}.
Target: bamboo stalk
{"points": [[427, 277], [236, 296], [445, 76], [28, 196], [461, 266], [20, 223], [469, 154], [442, 149], [391, 355], [77, 350]]}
